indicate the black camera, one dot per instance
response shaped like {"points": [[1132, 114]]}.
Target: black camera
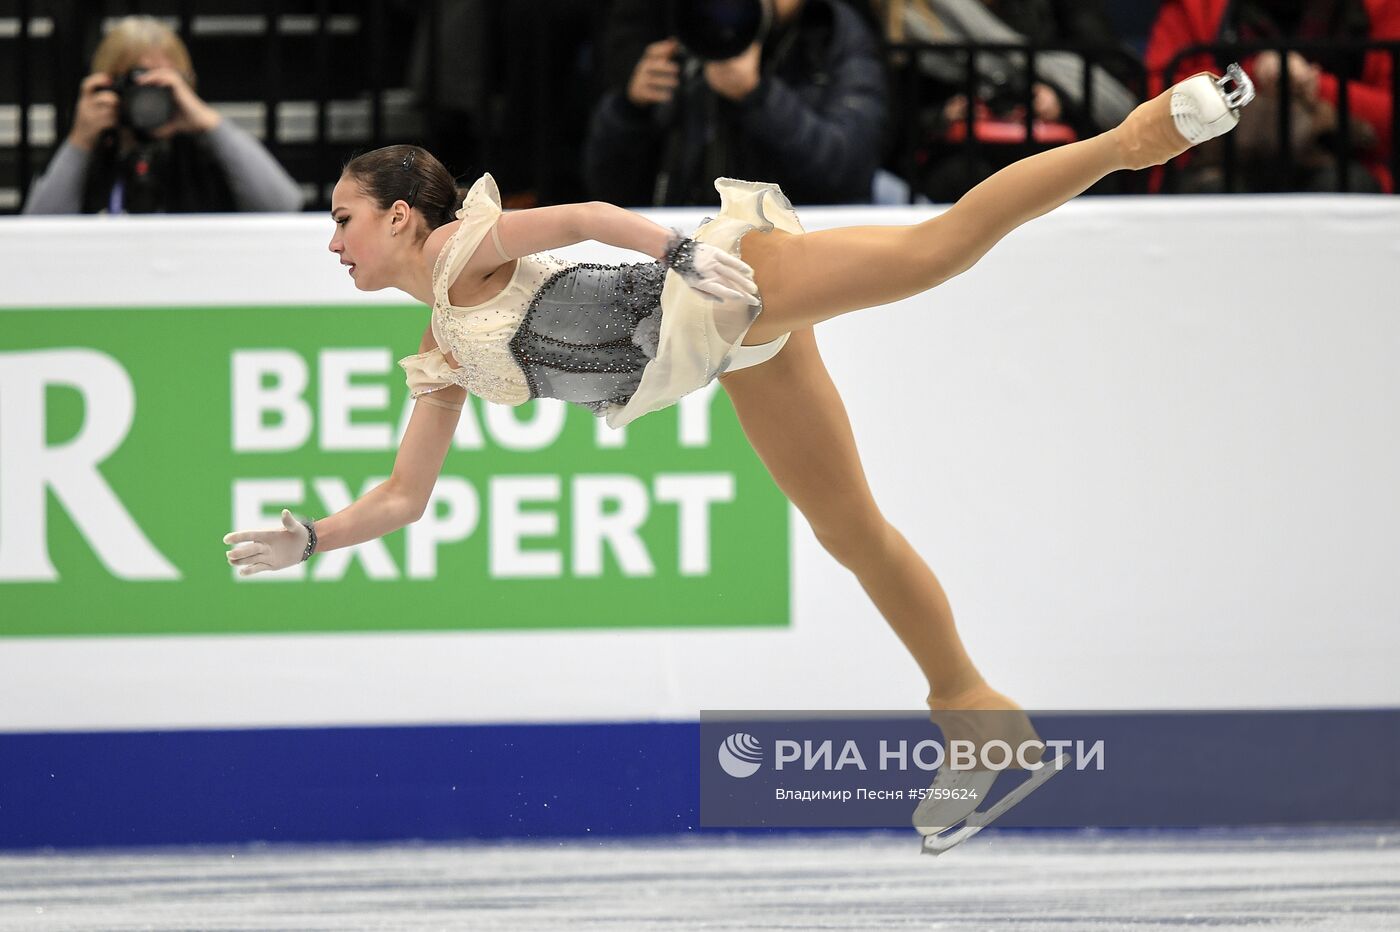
{"points": [[714, 30], [143, 107]]}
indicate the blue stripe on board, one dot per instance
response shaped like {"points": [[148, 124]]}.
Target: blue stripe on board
{"points": [[521, 781]]}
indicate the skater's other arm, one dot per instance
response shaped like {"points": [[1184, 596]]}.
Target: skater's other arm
{"points": [[523, 232], [707, 269], [539, 229]]}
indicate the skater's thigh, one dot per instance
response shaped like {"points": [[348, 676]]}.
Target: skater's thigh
{"points": [[811, 277], [797, 424]]}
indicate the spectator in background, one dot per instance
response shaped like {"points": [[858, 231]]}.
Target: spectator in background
{"points": [[195, 161], [511, 84], [1313, 80], [1057, 101], [452, 37], [805, 107]]}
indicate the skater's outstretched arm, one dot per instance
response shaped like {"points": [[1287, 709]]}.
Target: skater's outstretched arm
{"points": [[398, 501]]}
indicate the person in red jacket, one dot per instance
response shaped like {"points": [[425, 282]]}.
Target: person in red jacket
{"points": [[1314, 78]]}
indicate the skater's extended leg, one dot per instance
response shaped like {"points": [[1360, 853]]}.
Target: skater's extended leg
{"points": [[797, 424], [808, 278]]}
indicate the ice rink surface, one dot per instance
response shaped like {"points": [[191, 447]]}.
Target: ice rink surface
{"points": [[1221, 879]]}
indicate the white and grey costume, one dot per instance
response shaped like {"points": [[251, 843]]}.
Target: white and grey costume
{"points": [[622, 340]]}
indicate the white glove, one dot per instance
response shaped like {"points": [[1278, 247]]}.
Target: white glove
{"points": [[711, 271], [273, 549]]}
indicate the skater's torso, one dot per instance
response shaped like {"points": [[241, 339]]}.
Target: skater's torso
{"points": [[544, 327]]}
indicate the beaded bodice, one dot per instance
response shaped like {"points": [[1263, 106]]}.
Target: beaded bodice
{"points": [[581, 332], [479, 337]]}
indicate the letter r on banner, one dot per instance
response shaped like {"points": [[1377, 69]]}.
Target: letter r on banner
{"points": [[29, 468]]}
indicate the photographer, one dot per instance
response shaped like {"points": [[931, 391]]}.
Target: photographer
{"points": [[799, 99], [144, 142]]}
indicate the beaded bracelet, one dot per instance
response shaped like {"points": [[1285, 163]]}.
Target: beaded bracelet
{"points": [[310, 540], [679, 254]]}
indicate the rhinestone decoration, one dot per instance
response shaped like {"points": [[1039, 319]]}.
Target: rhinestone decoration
{"points": [[583, 332], [680, 255], [629, 296]]}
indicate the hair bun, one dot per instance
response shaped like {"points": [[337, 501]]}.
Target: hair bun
{"points": [[408, 173]]}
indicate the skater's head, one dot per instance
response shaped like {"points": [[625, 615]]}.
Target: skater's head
{"points": [[384, 205]]}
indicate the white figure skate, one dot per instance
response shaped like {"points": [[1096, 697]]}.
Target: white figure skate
{"points": [[947, 823], [1202, 107]]}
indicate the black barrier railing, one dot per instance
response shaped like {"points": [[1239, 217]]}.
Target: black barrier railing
{"points": [[51, 68], [908, 100], [1235, 51], [909, 97]]}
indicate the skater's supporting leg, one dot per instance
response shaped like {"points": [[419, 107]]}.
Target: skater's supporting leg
{"points": [[797, 424]]}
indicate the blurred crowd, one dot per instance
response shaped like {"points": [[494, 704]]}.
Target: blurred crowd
{"points": [[646, 102]]}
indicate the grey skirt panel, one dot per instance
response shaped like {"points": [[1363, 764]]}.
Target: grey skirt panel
{"points": [[589, 332]]}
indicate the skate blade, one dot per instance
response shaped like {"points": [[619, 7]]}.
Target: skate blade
{"points": [[937, 844], [976, 821], [934, 814], [1243, 91]]}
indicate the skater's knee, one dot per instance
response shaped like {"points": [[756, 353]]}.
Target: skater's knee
{"points": [[855, 537]]}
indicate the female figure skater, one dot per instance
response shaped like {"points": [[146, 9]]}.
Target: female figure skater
{"points": [[510, 323]]}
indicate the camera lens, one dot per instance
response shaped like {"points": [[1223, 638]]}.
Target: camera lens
{"points": [[148, 107], [718, 29], [144, 107]]}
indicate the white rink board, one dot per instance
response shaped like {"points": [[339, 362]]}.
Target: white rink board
{"points": [[1149, 446]]}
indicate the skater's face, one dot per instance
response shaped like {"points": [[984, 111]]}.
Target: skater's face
{"points": [[364, 237]]}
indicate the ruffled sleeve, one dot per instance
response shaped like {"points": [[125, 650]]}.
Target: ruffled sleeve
{"points": [[480, 210], [428, 372]]}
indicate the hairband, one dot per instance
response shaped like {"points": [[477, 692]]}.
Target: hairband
{"points": [[408, 161]]}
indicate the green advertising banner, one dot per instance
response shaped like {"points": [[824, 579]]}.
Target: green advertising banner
{"points": [[133, 439]]}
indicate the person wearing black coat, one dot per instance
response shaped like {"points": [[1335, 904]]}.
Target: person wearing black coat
{"points": [[805, 107]]}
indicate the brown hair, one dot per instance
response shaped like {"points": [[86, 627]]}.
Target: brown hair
{"points": [[134, 36], [407, 173]]}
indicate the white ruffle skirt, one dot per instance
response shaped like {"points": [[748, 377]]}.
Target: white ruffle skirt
{"points": [[701, 338]]}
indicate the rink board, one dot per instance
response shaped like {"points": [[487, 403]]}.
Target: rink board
{"points": [[540, 781], [1149, 447]]}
